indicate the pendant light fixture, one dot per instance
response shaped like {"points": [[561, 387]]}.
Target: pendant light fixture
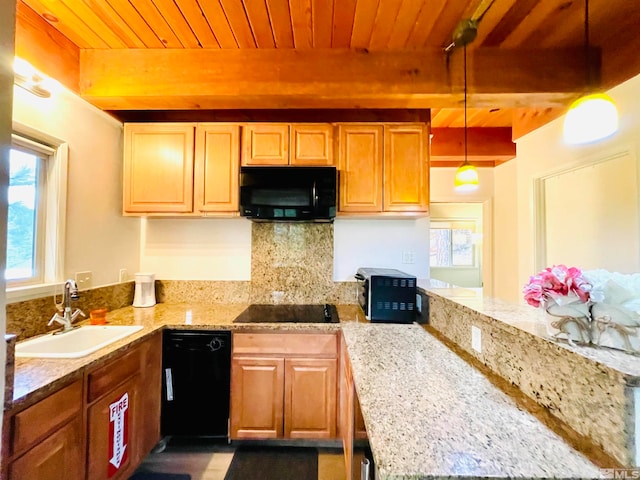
{"points": [[466, 179], [593, 116]]}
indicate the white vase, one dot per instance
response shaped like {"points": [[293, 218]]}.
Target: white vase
{"points": [[568, 319], [616, 327]]}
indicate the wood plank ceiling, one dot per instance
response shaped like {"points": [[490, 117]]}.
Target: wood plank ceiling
{"points": [[394, 26]]}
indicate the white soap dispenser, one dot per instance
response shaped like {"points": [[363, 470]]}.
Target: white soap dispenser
{"points": [[145, 292]]}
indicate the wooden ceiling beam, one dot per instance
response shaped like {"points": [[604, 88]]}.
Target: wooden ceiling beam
{"points": [[326, 78], [46, 48], [488, 146]]}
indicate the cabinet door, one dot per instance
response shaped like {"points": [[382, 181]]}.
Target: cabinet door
{"points": [[113, 430], [310, 398], [406, 169], [158, 168], [257, 397], [216, 167], [59, 455], [360, 168], [311, 144], [265, 144]]}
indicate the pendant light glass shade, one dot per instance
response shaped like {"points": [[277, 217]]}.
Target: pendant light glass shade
{"points": [[466, 179], [594, 116], [590, 118]]}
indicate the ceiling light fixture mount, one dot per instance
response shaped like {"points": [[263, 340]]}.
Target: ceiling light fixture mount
{"points": [[593, 116], [27, 77]]}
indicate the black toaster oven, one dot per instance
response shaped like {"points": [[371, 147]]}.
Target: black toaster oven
{"points": [[387, 295]]}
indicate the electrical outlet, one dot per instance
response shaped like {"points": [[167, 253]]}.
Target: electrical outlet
{"points": [[476, 339], [123, 275], [84, 280], [409, 257]]}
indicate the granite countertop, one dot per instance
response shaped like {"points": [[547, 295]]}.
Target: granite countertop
{"points": [[429, 414], [36, 377], [517, 318]]}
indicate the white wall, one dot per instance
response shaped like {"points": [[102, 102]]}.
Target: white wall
{"points": [[380, 243], [220, 249], [196, 249], [442, 191], [541, 153], [98, 238]]}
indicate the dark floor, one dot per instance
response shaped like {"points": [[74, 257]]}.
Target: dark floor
{"points": [[210, 460]]}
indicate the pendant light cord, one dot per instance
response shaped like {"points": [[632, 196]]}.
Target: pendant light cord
{"points": [[586, 46], [465, 104]]}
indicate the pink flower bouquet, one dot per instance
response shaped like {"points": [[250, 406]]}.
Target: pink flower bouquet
{"points": [[556, 282]]}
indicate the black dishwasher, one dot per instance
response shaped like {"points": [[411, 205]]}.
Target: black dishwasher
{"points": [[196, 378]]}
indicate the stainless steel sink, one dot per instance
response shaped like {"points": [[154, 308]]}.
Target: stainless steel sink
{"points": [[76, 343]]}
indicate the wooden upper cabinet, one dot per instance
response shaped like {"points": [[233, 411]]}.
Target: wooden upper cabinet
{"points": [[158, 167], [383, 168], [406, 169], [217, 160], [311, 144], [265, 144], [360, 165]]}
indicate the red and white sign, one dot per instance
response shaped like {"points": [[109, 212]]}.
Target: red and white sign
{"points": [[118, 434]]}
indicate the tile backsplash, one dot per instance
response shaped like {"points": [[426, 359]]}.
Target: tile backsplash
{"points": [[291, 262]]}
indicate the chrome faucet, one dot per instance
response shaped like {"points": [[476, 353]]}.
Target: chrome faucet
{"points": [[68, 314]]}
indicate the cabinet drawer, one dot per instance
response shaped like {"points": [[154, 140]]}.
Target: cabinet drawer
{"points": [[59, 455], [106, 378], [41, 419], [307, 344]]}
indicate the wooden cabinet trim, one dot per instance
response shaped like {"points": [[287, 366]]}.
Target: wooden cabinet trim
{"points": [[39, 420], [305, 344]]}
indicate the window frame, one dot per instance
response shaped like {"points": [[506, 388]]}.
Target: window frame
{"points": [[55, 204], [44, 154], [460, 224]]}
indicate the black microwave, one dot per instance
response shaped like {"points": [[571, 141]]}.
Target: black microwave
{"points": [[289, 193], [387, 295]]}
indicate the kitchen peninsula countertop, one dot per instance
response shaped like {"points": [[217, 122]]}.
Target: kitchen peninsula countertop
{"points": [[429, 414]]}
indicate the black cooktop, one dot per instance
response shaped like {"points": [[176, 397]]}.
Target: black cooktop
{"points": [[326, 313]]}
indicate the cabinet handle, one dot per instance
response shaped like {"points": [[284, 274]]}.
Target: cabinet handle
{"points": [[168, 376]]}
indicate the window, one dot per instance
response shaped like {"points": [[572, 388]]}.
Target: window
{"points": [[451, 244], [36, 205]]}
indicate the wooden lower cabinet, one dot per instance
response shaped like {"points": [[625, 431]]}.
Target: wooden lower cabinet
{"points": [[73, 433], [352, 422], [278, 392], [257, 397], [310, 398], [107, 455], [46, 438], [123, 411]]}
